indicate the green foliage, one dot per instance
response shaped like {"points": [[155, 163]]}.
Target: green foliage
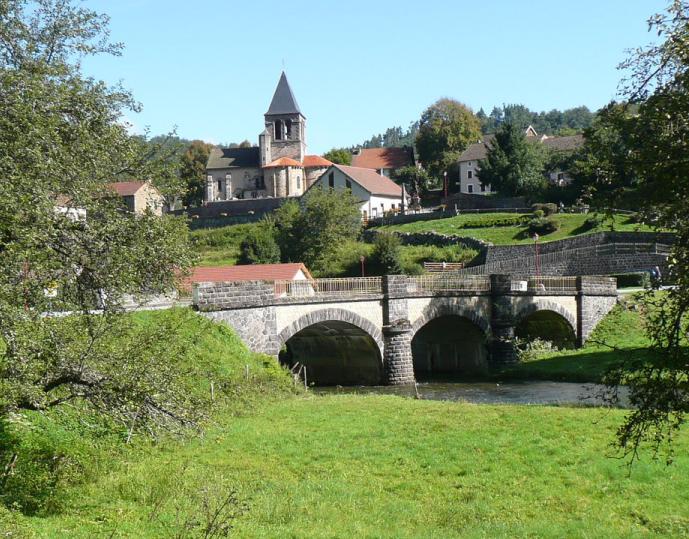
{"points": [[446, 128], [534, 350], [193, 171], [633, 280], [554, 122], [548, 208], [394, 137], [311, 230], [543, 225], [219, 246], [416, 180], [57, 125], [387, 254], [259, 246], [515, 220], [593, 221], [339, 156], [513, 165]]}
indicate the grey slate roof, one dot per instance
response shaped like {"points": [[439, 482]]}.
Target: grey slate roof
{"points": [[234, 158], [283, 99], [479, 150], [571, 142]]}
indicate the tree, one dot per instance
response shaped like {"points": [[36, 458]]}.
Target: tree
{"points": [[193, 171], [513, 165], [657, 144], [260, 245], [61, 141], [339, 156], [311, 231], [446, 128], [416, 179], [387, 253]]}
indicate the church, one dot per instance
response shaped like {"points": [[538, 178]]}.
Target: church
{"points": [[278, 167]]}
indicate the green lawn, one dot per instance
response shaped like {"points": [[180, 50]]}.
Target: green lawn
{"points": [[571, 225], [219, 246], [357, 466], [619, 337]]}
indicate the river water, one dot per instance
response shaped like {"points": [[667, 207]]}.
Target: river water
{"points": [[527, 392]]}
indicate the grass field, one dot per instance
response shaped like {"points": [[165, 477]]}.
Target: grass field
{"points": [[356, 466], [572, 224]]}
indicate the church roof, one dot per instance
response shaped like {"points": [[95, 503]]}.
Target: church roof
{"points": [[315, 161], [283, 162], [233, 158], [283, 99]]}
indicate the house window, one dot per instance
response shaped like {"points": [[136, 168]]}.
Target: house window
{"points": [[470, 188], [470, 174], [348, 183], [331, 180], [469, 163], [483, 188], [298, 182], [278, 129]]}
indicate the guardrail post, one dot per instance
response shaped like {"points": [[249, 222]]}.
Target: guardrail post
{"points": [[502, 348]]}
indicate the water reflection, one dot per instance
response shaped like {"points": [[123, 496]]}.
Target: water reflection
{"points": [[529, 392]]}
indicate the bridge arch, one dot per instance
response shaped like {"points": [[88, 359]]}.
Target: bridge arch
{"points": [[331, 315], [563, 323], [439, 309]]}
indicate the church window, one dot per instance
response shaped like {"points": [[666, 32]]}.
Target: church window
{"points": [[278, 130], [288, 128]]}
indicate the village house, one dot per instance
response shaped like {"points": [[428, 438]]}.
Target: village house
{"points": [[277, 167], [139, 196], [378, 194], [385, 161], [249, 272], [469, 159]]}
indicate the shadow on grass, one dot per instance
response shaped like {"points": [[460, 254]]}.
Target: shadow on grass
{"points": [[573, 367]]}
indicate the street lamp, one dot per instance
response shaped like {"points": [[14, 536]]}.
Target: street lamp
{"points": [[445, 182], [362, 259]]}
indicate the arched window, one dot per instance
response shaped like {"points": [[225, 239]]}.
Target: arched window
{"points": [[279, 128], [288, 128]]}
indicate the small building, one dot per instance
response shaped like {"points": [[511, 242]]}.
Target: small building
{"points": [[385, 161], [247, 272], [378, 194], [139, 196]]}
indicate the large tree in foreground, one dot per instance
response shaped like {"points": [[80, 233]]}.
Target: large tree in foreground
{"points": [[66, 244], [513, 164], [446, 128], [657, 152]]}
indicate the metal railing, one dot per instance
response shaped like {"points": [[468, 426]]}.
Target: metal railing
{"points": [[440, 282], [546, 284], [347, 286]]}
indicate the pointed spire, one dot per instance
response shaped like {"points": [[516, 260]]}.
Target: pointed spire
{"points": [[283, 99]]}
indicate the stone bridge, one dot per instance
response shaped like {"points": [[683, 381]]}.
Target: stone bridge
{"points": [[432, 323]]}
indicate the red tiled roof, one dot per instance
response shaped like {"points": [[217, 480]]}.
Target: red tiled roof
{"points": [[315, 161], [379, 158], [283, 162], [374, 183], [125, 188], [248, 272]]}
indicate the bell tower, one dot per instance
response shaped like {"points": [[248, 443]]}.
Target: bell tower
{"points": [[285, 134]]}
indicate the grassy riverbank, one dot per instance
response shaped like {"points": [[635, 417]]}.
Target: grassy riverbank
{"points": [[478, 226], [619, 337], [354, 466]]}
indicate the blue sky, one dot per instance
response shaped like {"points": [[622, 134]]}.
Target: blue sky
{"points": [[357, 67]]}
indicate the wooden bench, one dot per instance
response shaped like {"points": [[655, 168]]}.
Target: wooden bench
{"points": [[442, 266]]}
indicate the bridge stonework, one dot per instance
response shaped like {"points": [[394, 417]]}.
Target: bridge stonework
{"points": [[265, 317]]}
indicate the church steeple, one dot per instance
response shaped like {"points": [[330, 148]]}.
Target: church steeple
{"points": [[283, 99]]}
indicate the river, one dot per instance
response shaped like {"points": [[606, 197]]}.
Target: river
{"points": [[527, 392]]}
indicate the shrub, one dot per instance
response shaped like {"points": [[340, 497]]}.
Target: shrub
{"points": [[534, 350], [640, 279], [488, 223], [548, 208], [594, 221], [543, 225], [259, 246], [538, 214], [387, 254]]}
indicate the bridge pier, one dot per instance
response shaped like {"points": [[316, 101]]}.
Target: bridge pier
{"points": [[397, 356], [502, 349]]}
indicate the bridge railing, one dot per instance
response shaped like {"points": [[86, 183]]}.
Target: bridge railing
{"points": [[566, 285], [440, 282], [355, 286]]}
